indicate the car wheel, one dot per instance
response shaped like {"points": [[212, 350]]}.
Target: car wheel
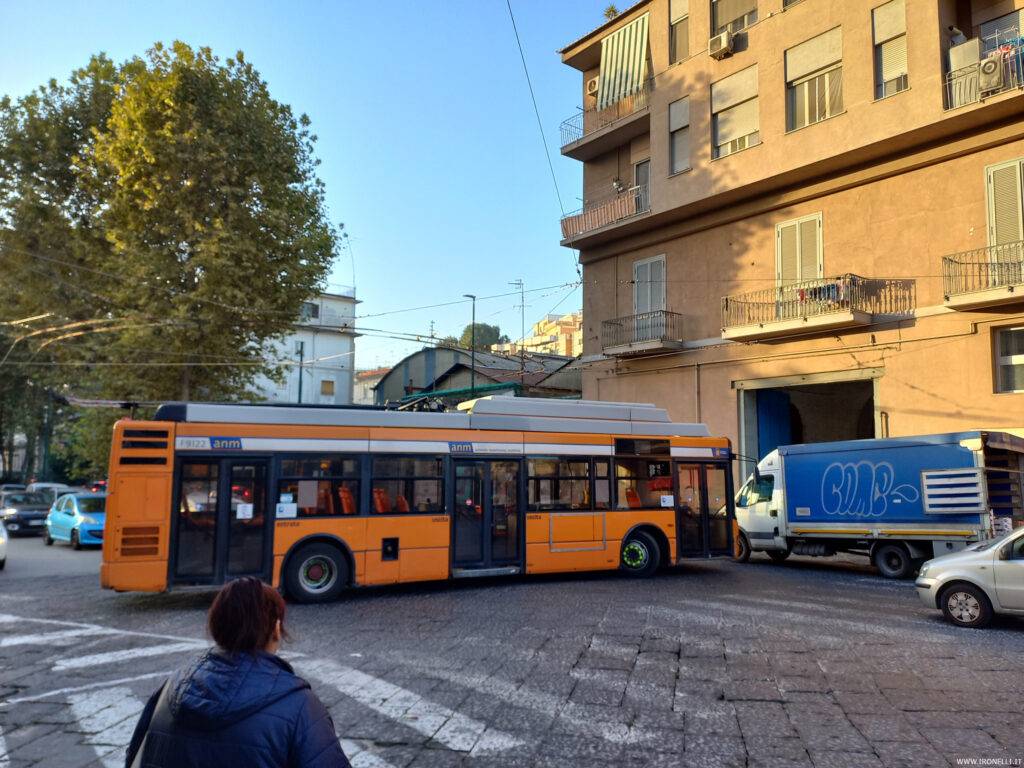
{"points": [[640, 555], [966, 606], [742, 553], [777, 555], [317, 573], [75, 543], [893, 561], [3, 563], [47, 538]]}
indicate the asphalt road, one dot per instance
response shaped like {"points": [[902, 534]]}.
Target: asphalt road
{"points": [[809, 663]]}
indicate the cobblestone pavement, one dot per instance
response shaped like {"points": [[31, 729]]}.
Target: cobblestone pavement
{"points": [[809, 663]]}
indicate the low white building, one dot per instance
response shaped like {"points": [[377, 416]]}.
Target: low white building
{"points": [[319, 355]]}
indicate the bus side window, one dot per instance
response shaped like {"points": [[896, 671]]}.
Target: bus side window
{"points": [[407, 484], [320, 486]]}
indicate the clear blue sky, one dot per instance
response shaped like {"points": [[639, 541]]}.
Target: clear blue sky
{"points": [[430, 148]]}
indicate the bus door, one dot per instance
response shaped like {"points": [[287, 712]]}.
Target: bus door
{"points": [[487, 517], [704, 511], [221, 524]]}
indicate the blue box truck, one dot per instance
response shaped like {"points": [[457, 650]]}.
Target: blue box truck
{"points": [[899, 501]]}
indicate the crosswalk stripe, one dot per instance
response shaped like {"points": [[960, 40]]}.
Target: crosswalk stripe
{"points": [[362, 758], [87, 687], [113, 657], [7, 618], [436, 721], [4, 762], [107, 717], [45, 638]]}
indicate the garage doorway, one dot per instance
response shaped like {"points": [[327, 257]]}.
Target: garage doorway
{"points": [[798, 411]]}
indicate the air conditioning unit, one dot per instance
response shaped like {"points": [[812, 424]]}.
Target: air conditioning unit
{"points": [[720, 46], [990, 74], [593, 84]]}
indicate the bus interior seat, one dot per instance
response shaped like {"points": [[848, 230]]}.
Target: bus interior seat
{"points": [[401, 505], [347, 500], [381, 502], [633, 499]]}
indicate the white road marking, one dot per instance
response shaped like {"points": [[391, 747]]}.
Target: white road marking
{"points": [[545, 703], [89, 687], [6, 618], [454, 730], [362, 758], [48, 638], [113, 657], [4, 762], [107, 717]]}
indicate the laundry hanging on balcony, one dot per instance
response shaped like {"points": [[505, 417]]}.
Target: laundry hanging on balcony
{"points": [[623, 63]]}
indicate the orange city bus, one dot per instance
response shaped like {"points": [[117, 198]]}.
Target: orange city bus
{"points": [[316, 499]]}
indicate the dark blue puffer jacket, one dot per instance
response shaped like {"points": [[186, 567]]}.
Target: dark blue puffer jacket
{"points": [[238, 710]]}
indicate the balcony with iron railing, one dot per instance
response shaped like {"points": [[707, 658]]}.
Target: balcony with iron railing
{"points": [[984, 277], [602, 211], [593, 132], [642, 333], [846, 301], [1000, 69]]}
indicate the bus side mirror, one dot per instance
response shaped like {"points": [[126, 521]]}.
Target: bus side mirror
{"points": [[757, 476]]}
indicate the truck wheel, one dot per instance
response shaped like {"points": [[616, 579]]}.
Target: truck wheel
{"points": [[317, 573], [742, 553], [778, 555], [893, 561], [640, 555], [966, 606]]}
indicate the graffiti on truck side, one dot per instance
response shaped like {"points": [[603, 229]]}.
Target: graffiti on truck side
{"points": [[863, 489]]}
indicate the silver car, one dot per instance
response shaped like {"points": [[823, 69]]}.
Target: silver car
{"points": [[971, 585]]}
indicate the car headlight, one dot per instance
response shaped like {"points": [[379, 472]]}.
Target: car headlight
{"points": [[88, 520], [923, 570], [9, 511]]}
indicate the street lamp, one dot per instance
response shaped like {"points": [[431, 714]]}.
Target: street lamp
{"points": [[472, 347]]}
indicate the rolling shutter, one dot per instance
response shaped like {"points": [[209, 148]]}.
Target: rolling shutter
{"points": [[623, 63], [892, 58], [677, 9], [814, 54], [1004, 204]]}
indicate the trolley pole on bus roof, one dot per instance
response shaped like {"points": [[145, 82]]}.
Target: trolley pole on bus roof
{"points": [[472, 346], [300, 347]]}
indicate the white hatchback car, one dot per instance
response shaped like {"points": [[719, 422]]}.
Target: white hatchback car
{"points": [[971, 585]]}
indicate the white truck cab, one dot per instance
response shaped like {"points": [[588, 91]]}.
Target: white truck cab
{"points": [[760, 511]]}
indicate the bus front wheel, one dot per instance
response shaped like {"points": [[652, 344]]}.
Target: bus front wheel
{"points": [[317, 573]]}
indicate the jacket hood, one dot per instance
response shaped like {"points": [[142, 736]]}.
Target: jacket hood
{"points": [[220, 689]]}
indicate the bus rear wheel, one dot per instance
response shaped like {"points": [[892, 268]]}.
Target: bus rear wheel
{"points": [[316, 573], [640, 555]]}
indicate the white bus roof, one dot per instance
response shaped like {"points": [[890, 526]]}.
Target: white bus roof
{"points": [[517, 414]]}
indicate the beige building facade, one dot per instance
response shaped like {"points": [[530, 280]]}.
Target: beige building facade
{"points": [[803, 220], [553, 335]]}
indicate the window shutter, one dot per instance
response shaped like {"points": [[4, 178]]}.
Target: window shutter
{"points": [[889, 20], [1004, 204], [680, 150], [623, 63], [814, 54], [677, 9], [809, 255], [788, 262], [657, 276], [641, 287], [735, 122], [892, 58], [730, 10]]}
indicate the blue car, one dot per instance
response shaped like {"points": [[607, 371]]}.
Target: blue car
{"points": [[78, 519]]}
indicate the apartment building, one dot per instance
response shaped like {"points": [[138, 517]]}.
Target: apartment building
{"points": [[318, 356], [803, 219], [553, 334]]}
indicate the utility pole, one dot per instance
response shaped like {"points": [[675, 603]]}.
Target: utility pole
{"points": [[522, 329], [300, 347], [472, 345]]}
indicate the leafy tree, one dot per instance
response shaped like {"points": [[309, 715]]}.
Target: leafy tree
{"points": [[486, 335], [611, 12], [171, 205]]}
